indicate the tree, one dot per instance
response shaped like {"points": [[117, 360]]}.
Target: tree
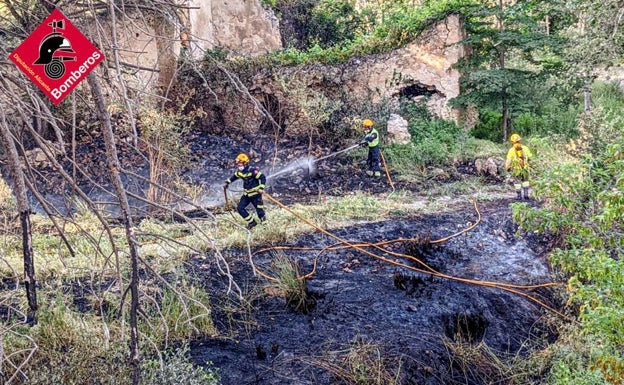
{"points": [[30, 281], [510, 52], [27, 117], [306, 23], [596, 39]]}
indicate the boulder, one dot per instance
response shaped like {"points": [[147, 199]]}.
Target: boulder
{"points": [[397, 130], [489, 166]]}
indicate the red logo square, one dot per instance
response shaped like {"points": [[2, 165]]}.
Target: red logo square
{"points": [[56, 56]]}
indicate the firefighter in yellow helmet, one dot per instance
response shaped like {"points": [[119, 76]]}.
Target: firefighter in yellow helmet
{"points": [[253, 187], [371, 140], [518, 162]]}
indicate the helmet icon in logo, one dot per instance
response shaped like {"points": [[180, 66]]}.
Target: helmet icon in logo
{"points": [[54, 50]]}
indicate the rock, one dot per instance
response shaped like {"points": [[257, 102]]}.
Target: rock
{"points": [[397, 130], [488, 167], [439, 174]]}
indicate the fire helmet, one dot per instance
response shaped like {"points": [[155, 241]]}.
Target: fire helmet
{"points": [[54, 45], [242, 158], [514, 138], [367, 123]]}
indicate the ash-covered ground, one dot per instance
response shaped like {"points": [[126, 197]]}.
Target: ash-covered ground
{"points": [[360, 307], [362, 304]]}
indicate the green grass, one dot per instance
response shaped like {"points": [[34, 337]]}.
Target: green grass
{"points": [[470, 185], [288, 282]]}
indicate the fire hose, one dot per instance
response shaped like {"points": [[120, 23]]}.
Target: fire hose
{"points": [[227, 201]]}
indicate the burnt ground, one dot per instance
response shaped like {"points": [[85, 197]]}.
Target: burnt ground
{"points": [[360, 301], [357, 301]]}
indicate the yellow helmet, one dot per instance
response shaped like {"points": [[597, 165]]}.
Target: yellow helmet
{"points": [[514, 138], [367, 123], [242, 158]]}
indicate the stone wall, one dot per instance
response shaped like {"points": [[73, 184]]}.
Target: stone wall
{"points": [[150, 48], [243, 27], [425, 66]]}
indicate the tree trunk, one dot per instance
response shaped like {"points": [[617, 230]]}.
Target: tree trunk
{"points": [[114, 168], [587, 96], [505, 113], [504, 109], [30, 281]]}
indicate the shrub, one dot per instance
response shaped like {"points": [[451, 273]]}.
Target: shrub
{"points": [[584, 209], [528, 123], [434, 142], [176, 369], [289, 283], [488, 127]]}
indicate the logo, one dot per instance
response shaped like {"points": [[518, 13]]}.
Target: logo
{"points": [[56, 56]]}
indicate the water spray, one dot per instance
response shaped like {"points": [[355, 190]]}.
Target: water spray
{"points": [[308, 165]]}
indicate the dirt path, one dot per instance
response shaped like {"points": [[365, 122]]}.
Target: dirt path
{"points": [[364, 306]]}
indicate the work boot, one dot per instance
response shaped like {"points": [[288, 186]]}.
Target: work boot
{"points": [[377, 173], [526, 193], [263, 219], [252, 224], [518, 195]]}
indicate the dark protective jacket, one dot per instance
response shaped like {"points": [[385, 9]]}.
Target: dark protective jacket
{"points": [[253, 180]]}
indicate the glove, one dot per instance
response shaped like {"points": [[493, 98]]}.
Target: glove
{"points": [[226, 185], [261, 191], [363, 143]]}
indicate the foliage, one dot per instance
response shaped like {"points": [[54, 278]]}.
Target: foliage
{"points": [[289, 282], [488, 126], [549, 110], [321, 23], [314, 105], [584, 210], [511, 59], [175, 369], [269, 3], [569, 357], [595, 36], [340, 33], [434, 141], [162, 133]]}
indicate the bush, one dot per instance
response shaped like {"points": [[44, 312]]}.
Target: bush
{"points": [[176, 369], [528, 124], [584, 209], [488, 127]]}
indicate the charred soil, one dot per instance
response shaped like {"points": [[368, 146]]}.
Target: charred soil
{"points": [[375, 317], [370, 317]]}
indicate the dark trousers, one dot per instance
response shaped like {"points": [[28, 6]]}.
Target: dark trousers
{"points": [[373, 159], [256, 201]]}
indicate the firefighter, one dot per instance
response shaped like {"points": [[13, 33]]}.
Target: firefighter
{"points": [[253, 188], [518, 161], [371, 139]]}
